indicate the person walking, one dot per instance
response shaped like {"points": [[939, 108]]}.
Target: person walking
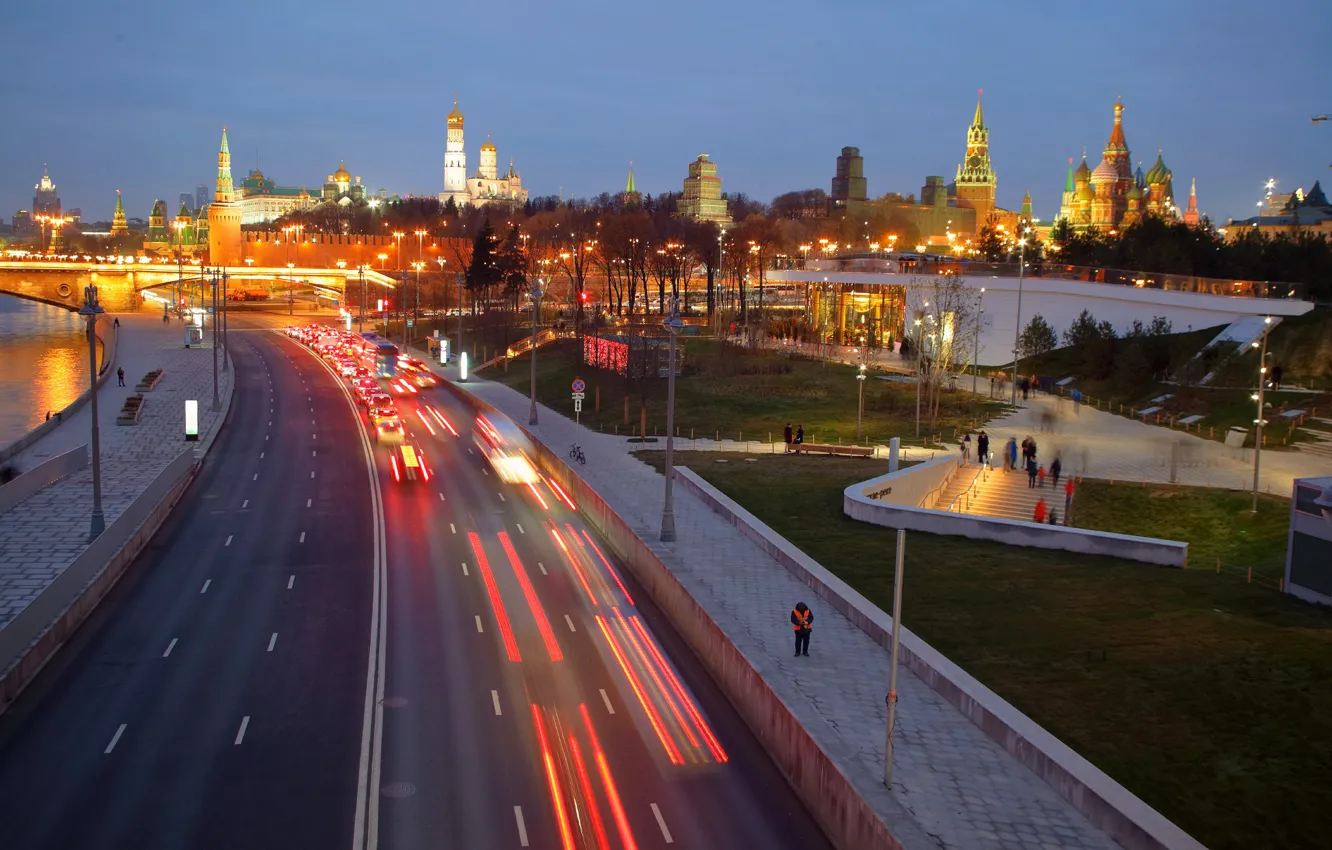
{"points": [[1026, 388], [1039, 514], [983, 448], [1010, 455], [788, 435], [802, 619], [966, 449], [799, 437], [120, 375], [1040, 476], [1056, 466], [1068, 498], [1031, 473], [115, 323]]}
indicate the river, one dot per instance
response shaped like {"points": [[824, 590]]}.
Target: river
{"points": [[43, 363]]}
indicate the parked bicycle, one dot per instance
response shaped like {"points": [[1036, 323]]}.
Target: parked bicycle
{"points": [[576, 453]]}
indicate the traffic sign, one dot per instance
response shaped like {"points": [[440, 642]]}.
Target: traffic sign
{"points": [[579, 396], [578, 405], [578, 385]]}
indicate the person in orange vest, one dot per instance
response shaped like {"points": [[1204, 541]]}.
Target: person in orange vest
{"points": [[803, 620], [1039, 514]]}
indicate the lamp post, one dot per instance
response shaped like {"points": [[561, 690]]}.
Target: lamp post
{"points": [[226, 350], [1258, 397], [536, 309], [892, 664], [975, 357], [291, 288], [179, 226], [460, 318], [918, 376], [673, 326], [91, 310], [360, 274], [1017, 324], [860, 403], [217, 404]]}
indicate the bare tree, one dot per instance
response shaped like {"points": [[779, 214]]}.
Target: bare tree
{"points": [[943, 313]]}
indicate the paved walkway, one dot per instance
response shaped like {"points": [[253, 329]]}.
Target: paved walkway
{"points": [[951, 781], [1097, 444], [41, 535]]}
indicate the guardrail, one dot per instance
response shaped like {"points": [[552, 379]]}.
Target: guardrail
{"points": [[44, 473], [982, 475]]}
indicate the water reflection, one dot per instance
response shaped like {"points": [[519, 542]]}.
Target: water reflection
{"points": [[43, 363]]}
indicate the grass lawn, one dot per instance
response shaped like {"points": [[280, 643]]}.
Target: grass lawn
{"points": [[728, 391], [1208, 697]]}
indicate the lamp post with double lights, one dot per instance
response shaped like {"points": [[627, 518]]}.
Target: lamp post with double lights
{"points": [[860, 402], [1258, 397], [91, 310], [536, 294], [226, 350], [217, 404], [1017, 324], [291, 288], [179, 227], [975, 357], [673, 325]]}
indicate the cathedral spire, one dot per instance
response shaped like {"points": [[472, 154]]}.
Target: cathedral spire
{"points": [[979, 120], [1117, 142], [225, 190], [119, 227], [1068, 179], [629, 185]]}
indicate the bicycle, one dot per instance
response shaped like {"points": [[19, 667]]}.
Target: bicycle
{"points": [[576, 453]]}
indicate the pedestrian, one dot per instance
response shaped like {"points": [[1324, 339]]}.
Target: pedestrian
{"points": [[802, 619], [800, 436], [1054, 517], [1010, 455], [1026, 388], [1040, 475], [48, 416], [992, 386], [1031, 473], [120, 375], [1038, 515], [983, 448], [966, 449], [115, 323], [788, 435], [1056, 466]]}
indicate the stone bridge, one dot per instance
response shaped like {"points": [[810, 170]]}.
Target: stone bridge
{"points": [[119, 284]]}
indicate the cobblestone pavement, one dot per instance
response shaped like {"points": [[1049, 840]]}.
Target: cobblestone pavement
{"points": [[1097, 444], [41, 535], [950, 780]]}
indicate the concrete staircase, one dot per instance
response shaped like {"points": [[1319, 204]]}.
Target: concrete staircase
{"points": [[1321, 431], [997, 494]]}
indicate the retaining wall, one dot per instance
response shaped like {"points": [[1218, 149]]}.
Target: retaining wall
{"points": [[1106, 803], [44, 473]]}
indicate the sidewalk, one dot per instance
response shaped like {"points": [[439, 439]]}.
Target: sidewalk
{"points": [[1096, 444], [41, 535], [953, 781]]}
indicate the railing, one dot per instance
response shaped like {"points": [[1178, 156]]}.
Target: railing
{"points": [[1050, 270], [962, 501], [525, 345], [932, 497]]}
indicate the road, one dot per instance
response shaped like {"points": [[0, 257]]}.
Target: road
{"points": [[512, 687]]}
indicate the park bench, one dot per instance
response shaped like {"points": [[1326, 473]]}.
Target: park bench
{"points": [[826, 448]]}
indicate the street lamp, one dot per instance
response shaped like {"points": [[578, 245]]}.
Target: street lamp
{"points": [[1258, 397], [673, 326], [217, 404], [179, 226], [462, 376], [1017, 323], [536, 309], [860, 404], [291, 288], [91, 310], [975, 357]]}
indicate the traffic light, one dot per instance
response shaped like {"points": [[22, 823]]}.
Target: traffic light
{"points": [[582, 296], [381, 305]]}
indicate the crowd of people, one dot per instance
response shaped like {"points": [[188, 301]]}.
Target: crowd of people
{"points": [[1038, 474]]}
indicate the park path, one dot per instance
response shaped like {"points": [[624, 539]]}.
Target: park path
{"points": [[44, 533], [953, 786]]}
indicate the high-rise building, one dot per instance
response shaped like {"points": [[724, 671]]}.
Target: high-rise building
{"points": [[975, 181], [187, 200], [702, 198], [849, 189], [202, 197], [47, 199]]}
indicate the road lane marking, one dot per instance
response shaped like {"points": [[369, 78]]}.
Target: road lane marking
{"points": [[302, 536], [441, 497], [470, 452], [116, 737], [272, 642], [256, 477], [520, 528], [661, 822], [170, 647], [312, 473], [245, 504], [451, 528], [261, 455], [312, 422], [522, 827], [314, 436], [314, 453], [542, 567], [465, 568], [570, 622], [290, 581], [501, 495], [494, 698], [228, 543], [308, 501], [204, 589], [265, 438], [610, 709], [478, 623], [240, 733]]}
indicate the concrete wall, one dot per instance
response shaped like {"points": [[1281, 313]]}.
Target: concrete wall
{"points": [[915, 484], [1107, 804], [44, 473], [857, 504], [848, 819]]}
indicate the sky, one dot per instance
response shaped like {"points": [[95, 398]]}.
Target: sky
{"points": [[114, 98]]}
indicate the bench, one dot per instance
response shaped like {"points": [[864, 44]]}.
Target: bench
{"points": [[1291, 414], [825, 448], [1189, 420], [1162, 399], [1149, 411]]}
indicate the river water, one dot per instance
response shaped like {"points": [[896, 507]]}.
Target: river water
{"points": [[43, 363]]}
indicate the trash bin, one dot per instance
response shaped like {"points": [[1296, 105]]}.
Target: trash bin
{"points": [[1235, 437]]}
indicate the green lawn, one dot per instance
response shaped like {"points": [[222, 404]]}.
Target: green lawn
{"points": [[1208, 697], [729, 391]]}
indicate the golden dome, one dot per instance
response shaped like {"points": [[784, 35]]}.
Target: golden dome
{"points": [[489, 145], [341, 175], [455, 117]]}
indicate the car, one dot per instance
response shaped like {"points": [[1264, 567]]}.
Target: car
{"points": [[378, 399], [401, 386], [505, 446], [347, 369], [408, 464], [361, 372], [377, 415], [365, 386], [390, 432]]}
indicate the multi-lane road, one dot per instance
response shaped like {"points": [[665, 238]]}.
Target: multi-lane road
{"points": [[315, 654]]}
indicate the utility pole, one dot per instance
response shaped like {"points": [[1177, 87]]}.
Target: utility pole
{"points": [[1017, 325], [1258, 422], [975, 357]]}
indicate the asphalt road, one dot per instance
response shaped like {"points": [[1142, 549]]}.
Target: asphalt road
{"points": [[512, 688]]}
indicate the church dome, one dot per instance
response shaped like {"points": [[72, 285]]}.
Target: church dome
{"points": [[1083, 174], [1134, 194], [1158, 173], [1086, 193], [1104, 173], [488, 146], [455, 117], [341, 175]]}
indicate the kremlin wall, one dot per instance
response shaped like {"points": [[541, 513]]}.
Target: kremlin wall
{"points": [[273, 249]]}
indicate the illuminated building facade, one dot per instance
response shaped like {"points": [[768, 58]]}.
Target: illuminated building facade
{"points": [[702, 199], [487, 185], [974, 185]]}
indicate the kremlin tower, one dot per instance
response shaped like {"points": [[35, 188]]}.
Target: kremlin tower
{"points": [[975, 181], [119, 225], [224, 215], [1191, 214], [455, 160]]}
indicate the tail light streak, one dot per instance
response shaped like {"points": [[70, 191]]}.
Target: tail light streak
{"points": [[598, 829], [393, 460], [537, 493], [532, 601], [632, 640], [425, 422], [501, 616], [612, 794], [440, 417], [559, 491], [672, 752], [573, 561], [553, 779], [706, 731], [609, 568]]}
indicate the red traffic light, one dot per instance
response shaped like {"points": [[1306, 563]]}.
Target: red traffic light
{"points": [[582, 296]]}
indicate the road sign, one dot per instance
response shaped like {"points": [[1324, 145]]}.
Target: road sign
{"points": [[579, 396], [578, 385], [578, 405]]}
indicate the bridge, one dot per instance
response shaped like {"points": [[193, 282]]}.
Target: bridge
{"points": [[121, 286]]}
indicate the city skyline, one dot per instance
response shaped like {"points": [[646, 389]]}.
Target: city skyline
{"points": [[774, 120]]}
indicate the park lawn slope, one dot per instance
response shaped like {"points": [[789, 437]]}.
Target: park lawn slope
{"points": [[1208, 697]]}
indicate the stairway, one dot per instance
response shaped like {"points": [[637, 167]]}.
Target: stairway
{"points": [[1007, 496], [1321, 431]]}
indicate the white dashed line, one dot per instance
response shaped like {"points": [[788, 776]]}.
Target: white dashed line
{"points": [[240, 733], [116, 737], [520, 528], [465, 568], [312, 473], [478, 623], [570, 622], [661, 822], [451, 528], [261, 455], [228, 543], [308, 501], [245, 504], [542, 567], [170, 647], [256, 477], [441, 497], [302, 536], [265, 438], [501, 495], [522, 827], [494, 698], [272, 642], [609, 708], [207, 582], [290, 581], [470, 452], [485, 471]]}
